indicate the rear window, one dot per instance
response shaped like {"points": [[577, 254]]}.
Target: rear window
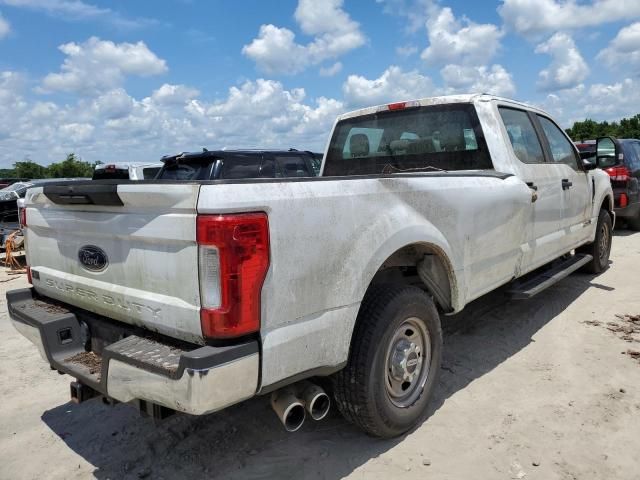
{"points": [[244, 166], [111, 174], [294, 166], [187, 170], [150, 172], [443, 137], [631, 155]]}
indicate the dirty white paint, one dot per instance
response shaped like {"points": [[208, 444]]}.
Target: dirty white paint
{"points": [[197, 392], [328, 238], [152, 277]]}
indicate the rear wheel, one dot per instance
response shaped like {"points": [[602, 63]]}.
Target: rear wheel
{"points": [[394, 361], [601, 247]]}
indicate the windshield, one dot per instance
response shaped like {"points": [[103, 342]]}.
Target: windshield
{"points": [[442, 137], [15, 191], [18, 186]]}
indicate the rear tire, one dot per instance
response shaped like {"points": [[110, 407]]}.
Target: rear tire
{"points": [[601, 247], [394, 361]]}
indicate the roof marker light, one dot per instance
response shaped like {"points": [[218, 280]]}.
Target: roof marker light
{"points": [[392, 107]]}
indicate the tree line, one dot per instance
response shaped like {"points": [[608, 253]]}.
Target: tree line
{"points": [[590, 129], [70, 167]]}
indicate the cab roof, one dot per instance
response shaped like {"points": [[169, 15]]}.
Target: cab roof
{"points": [[442, 100]]}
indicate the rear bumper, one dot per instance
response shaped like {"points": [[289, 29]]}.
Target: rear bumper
{"points": [[630, 211], [188, 378]]}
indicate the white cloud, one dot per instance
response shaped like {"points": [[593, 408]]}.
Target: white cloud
{"points": [[115, 126], [174, 94], [276, 51], [5, 27], [98, 65], [464, 79], [416, 11], [393, 85], [77, 133], [567, 68], [599, 102], [331, 70], [533, 18], [79, 10], [623, 52], [113, 104], [12, 85], [455, 41]]}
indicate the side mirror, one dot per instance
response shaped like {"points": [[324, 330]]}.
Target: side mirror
{"points": [[607, 152]]}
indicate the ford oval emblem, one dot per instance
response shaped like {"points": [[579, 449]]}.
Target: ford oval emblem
{"points": [[93, 258]]}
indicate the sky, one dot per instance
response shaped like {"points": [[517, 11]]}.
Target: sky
{"points": [[133, 81]]}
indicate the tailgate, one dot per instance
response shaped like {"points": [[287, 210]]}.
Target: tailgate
{"points": [[124, 251]]}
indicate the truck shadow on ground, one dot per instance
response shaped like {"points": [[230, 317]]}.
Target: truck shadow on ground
{"points": [[623, 230], [247, 441]]}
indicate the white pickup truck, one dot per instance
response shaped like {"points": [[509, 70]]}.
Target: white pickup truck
{"points": [[195, 295]]}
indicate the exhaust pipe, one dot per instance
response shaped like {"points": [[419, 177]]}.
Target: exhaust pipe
{"points": [[288, 408], [292, 403], [316, 401]]}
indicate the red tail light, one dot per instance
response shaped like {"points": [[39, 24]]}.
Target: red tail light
{"points": [[618, 174], [233, 258], [624, 201]]}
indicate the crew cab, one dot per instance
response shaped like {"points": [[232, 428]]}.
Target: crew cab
{"points": [[194, 295]]}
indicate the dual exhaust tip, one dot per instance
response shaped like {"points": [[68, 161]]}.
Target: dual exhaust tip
{"points": [[292, 404]]}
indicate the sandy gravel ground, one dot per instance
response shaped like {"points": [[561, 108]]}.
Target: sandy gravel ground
{"points": [[538, 389]]}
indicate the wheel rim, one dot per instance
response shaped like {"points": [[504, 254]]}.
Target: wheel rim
{"points": [[603, 247], [407, 362]]}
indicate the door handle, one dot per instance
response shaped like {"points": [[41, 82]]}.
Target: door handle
{"points": [[566, 184]]}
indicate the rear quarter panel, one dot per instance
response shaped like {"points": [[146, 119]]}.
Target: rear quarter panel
{"points": [[329, 237]]}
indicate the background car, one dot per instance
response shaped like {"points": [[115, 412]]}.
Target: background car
{"points": [[620, 158], [238, 164], [587, 149], [126, 171], [5, 182]]}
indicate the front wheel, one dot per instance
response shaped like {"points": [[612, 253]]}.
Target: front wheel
{"points": [[394, 361], [601, 247]]}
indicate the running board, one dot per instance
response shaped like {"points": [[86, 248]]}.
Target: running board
{"points": [[549, 277]]}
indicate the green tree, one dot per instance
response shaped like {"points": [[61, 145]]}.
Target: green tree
{"points": [[29, 169], [72, 166], [590, 129]]}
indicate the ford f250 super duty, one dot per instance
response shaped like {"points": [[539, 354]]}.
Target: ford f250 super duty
{"points": [[193, 296]]}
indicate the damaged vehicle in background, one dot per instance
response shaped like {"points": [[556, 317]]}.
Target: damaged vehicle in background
{"points": [[238, 164], [126, 171], [195, 295]]}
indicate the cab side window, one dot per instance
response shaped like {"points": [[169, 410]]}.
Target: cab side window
{"points": [[562, 150], [522, 135]]}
